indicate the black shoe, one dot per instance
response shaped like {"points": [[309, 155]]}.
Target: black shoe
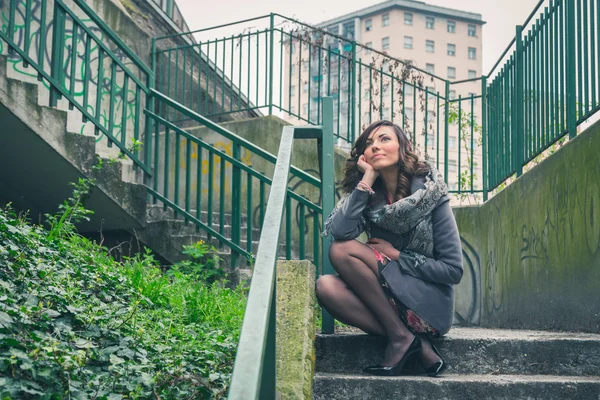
{"points": [[437, 367], [413, 351]]}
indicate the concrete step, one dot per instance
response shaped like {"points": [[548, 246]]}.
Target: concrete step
{"points": [[157, 212], [476, 351], [331, 386], [180, 226]]}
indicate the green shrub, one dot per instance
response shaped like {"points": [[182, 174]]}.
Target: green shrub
{"points": [[74, 323], [203, 264]]}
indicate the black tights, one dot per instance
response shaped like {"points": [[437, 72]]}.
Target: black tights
{"points": [[355, 297]]}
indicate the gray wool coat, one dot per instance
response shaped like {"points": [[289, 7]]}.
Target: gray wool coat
{"points": [[427, 288]]}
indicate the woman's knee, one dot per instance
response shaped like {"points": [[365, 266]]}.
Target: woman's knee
{"points": [[341, 249], [326, 286]]}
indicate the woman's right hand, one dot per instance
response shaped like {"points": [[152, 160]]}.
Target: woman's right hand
{"points": [[366, 168]]}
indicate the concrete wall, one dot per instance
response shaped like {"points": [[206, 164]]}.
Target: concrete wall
{"points": [[114, 17], [535, 247]]}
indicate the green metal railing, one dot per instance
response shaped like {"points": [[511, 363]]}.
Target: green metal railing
{"points": [[77, 60], [286, 68], [192, 175], [479, 131], [547, 86], [254, 369]]}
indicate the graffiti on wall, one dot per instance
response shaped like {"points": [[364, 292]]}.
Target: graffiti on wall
{"points": [[568, 232], [95, 85]]}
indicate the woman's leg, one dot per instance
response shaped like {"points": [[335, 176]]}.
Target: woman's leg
{"points": [[343, 304], [357, 266], [428, 356]]}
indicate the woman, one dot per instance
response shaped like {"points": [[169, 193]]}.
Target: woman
{"points": [[398, 284]]}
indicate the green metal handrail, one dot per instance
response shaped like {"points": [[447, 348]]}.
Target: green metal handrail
{"points": [[538, 97], [512, 124], [178, 155], [257, 67], [254, 369], [60, 72]]}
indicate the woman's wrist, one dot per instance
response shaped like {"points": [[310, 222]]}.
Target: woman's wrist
{"points": [[369, 177]]}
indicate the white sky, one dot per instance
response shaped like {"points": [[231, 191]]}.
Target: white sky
{"points": [[501, 15]]}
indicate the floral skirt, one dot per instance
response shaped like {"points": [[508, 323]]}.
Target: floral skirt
{"points": [[409, 318]]}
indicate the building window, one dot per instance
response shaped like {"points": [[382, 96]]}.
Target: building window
{"points": [[430, 140], [348, 30], [451, 145], [430, 68], [408, 42], [451, 27], [452, 94], [386, 113], [472, 30], [385, 19], [368, 47], [429, 22], [451, 73], [334, 29], [472, 53], [472, 74], [385, 43], [429, 46], [368, 24], [408, 112], [408, 18], [451, 50], [292, 90], [408, 91]]}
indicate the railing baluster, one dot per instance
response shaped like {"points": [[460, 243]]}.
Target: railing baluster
{"points": [[249, 214], [199, 172], [188, 175], [222, 200], [211, 171]]}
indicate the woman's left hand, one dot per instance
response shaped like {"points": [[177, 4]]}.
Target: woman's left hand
{"points": [[384, 248]]}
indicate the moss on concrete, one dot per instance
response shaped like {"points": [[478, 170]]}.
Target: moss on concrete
{"points": [[295, 329], [538, 243]]}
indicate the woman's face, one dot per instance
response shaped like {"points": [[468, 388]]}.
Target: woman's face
{"points": [[382, 148]]}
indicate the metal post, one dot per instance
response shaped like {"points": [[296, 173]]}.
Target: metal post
{"points": [[353, 111], [446, 128], [271, 45], [236, 206], [484, 151], [571, 70], [518, 131], [328, 195]]}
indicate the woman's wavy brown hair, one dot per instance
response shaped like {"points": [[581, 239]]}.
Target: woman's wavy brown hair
{"points": [[408, 163]]}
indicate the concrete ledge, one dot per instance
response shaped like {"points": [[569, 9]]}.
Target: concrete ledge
{"points": [[295, 329], [539, 387]]}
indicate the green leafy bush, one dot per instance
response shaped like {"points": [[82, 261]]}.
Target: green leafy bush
{"points": [[203, 264], [75, 323]]}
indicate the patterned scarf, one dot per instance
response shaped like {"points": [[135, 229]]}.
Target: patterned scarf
{"points": [[410, 214]]}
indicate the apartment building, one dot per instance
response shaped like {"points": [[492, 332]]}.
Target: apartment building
{"points": [[446, 44]]}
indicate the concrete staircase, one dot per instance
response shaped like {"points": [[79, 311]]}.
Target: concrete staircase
{"points": [[39, 157], [483, 364]]}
